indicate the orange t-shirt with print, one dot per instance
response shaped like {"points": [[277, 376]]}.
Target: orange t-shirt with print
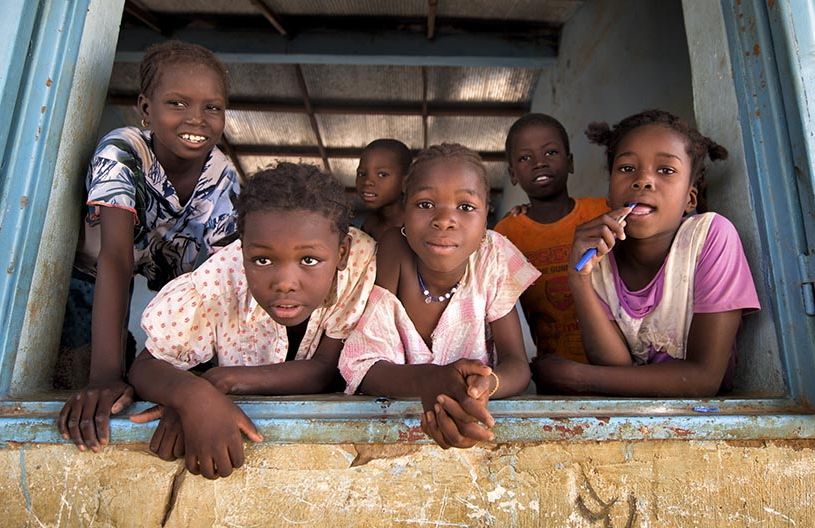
{"points": [[548, 303]]}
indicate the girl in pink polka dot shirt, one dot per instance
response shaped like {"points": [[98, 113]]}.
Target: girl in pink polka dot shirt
{"points": [[273, 308]]}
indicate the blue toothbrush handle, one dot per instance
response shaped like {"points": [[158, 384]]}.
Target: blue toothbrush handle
{"points": [[587, 256]]}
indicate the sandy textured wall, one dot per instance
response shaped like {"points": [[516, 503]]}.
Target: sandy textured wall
{"points": [[611, 484]]}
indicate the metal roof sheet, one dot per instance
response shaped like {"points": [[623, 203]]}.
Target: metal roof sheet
{"points": [[364, 83], [477, 133], [252, 163], [483, 85], [264, 128], [263, 81], [553, 11], [359, 130]]}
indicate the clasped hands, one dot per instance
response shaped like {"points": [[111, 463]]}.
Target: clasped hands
{"points": [[458, 415]]}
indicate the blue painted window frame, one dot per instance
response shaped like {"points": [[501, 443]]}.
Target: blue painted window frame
{"points": [[772, 105]]}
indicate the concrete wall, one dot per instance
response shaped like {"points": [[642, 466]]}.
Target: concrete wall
{"points": [[717, 116], [586, 484], [615, 59]]}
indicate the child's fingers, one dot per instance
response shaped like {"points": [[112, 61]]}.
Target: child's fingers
{"points": [[88, 422], [178, 445], [478, 410], [155, 440], [466, 423], [62, 420], [123, 401], [478, 386], [248, 428], [450, 430], [471, 367], [236, 454], [206, 467], [148, 415], [431, 429], [191, 461], [223, 463]]}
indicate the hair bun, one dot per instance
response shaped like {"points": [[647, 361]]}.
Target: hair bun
{"points": [[715, 151], [599, 133]]}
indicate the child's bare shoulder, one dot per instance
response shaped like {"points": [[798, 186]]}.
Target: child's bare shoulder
{"points": [[392, 254]]}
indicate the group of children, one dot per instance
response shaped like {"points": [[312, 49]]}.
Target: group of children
{"points": [[422, 306]]}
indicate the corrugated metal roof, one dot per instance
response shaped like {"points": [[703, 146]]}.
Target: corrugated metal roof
{"points": [[493, 85], [251, 163], [264, 128], [351, 7], [554, 11], [263, 81], [345, 169], [359, 130], [232, 7], [496, 173], [124, 78], [477, 133], [351, 89], [363, 83]]}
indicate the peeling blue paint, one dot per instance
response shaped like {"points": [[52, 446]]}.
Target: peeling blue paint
{"points": [[24, 480]]}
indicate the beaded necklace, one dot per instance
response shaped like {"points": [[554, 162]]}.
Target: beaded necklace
{"points": [[430, 298]]}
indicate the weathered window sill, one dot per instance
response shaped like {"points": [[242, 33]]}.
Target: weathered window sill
{"points": [[334, 419]]}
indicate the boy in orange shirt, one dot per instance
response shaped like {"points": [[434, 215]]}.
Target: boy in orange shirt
{"points": [[537, 148]]}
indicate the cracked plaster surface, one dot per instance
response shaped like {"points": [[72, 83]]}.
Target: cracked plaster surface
{"points": [[610, 484]]}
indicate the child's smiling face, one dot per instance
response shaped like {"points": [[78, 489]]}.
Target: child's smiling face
{"points": [[291, 259], [379, 178], [186, 112], [445, 214], [539, 162], [652, 168]]}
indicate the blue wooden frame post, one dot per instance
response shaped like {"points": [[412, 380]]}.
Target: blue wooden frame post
{"points": [[42, 60], [766, 70]]}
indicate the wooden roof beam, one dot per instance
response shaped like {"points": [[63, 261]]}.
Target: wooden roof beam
{"points": [[330, 152], [301, 82], [270, 16], [400, 109], [145, 16]]}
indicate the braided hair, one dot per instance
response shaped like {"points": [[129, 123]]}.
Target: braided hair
{"points": [[697, 146], [443, 152], [174, 52], [294, 187]]}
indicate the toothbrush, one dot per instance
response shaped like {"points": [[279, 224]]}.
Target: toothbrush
{"points": [[591, 252]]}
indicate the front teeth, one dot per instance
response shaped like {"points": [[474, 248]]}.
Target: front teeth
{"points": [[193, 138]]}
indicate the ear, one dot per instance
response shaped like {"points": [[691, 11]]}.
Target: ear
{"points": [[143, 105], [512, 179], [344, 250], [693, 199], [571, 163]]}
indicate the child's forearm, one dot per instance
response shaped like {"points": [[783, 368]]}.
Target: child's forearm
{"points": [[110, 302], [158, 381], [411, 381], [309, 376], [513, 375], [512, 367], [666, 380], [602, 340]]}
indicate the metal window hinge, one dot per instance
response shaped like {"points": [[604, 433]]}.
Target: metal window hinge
{"points": [[806, 264]]}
